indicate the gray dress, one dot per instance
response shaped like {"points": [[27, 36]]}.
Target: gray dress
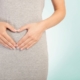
{"points": [[31, 64]]}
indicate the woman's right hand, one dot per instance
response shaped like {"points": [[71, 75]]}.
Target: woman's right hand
{"points": [[5, 39]]}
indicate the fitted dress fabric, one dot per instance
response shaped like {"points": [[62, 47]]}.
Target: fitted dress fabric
{"points": [[28, 64]]}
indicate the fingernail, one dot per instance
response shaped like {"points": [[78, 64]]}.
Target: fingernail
{"points": [[13, 47], [15, 30], [21, 49], [17, 47]]}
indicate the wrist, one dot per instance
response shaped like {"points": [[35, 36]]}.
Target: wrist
{"points": [[43, 25]]}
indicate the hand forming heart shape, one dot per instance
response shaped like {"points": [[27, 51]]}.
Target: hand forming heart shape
{"points": [[34, 33]]}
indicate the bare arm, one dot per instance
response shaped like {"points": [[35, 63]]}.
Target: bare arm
{"points": [[35, 30], [57, 16]]}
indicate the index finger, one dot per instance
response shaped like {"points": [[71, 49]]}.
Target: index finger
{"points": [[9, 39], [22, 39]]}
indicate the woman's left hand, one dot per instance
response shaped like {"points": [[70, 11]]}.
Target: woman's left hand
{"points": [[35, 31]]}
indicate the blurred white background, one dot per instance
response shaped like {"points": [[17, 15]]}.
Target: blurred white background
{"points": [[64, 43]]}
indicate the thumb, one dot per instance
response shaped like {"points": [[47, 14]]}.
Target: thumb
{"points": [[11, 28], [23, 28]]}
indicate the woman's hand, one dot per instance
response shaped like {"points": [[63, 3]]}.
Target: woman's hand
{"points": [[35, 31], [5, 39]]}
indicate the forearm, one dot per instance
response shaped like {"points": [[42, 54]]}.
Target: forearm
{"points": [[54, 19]]}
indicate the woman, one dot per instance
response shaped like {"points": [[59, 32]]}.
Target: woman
{"points": [[30, 60]]}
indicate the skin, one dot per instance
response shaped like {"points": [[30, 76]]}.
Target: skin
{"points": [[35, 30], [5, 39]]}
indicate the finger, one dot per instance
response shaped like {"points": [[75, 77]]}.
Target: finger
{"points": [[25, 43], [30, 43], [9, 39], [3, 44], [10, 27], [23, 39], [5, 41], [23, 28], [7, 46]]}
